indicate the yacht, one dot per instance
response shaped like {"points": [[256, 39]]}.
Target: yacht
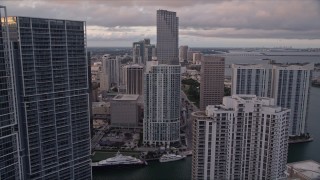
{"points": [[171, 157], [119, 160]]}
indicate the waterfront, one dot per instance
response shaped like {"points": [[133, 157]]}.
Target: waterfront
{"points": [[181, 170]]}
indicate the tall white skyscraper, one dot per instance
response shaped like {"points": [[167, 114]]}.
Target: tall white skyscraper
{"points": [[291, 90], [110, 75], [244, 138], [161, 123], [288, 84], [167, 37]]}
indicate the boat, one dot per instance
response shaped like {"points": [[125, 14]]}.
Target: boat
{"points": [[171, 157], [119, 161]]}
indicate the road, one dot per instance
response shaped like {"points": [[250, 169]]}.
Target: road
{"points": [[97, 137], [190, 107]]}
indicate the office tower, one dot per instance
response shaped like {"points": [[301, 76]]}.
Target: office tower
{"points": [[183, 53], [138, 51], [149, 52], [9, 137], [288, 84], [196, 58], [167, 37], [244, 138], [110, 75], [52, 87], [212, 81], [134, 79], [161, 124]]}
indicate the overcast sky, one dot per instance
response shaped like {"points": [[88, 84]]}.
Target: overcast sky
{"points": [[203, 23]]}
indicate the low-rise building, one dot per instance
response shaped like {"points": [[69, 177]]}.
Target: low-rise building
{"points": [[303, 170], [101, 110], [125, 111]]}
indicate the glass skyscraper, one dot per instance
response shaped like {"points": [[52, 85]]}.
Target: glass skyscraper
{"points": [[53, 101], [9, 144], [167, 37]]}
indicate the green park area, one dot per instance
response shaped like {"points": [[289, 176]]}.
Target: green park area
{"points": [[191, 88]]}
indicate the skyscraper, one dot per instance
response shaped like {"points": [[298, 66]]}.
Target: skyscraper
{"points": [[53, 100], [9, 137], [134, 79], [183, 53], [167, 37], [149, 52], [212, 81], [288, 84], [138, 51], [161, 123], [252, 79], [244, 138], [196, 58], [110, 75]]}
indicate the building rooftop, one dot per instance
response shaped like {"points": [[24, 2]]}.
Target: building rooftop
{"points": [[308, 168], [100, 104], [126, 97]]}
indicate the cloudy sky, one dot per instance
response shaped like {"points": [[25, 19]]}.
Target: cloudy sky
{"points": [[203, 23]]}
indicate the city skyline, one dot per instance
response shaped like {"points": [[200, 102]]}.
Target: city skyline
{"points": [[233, 23]]}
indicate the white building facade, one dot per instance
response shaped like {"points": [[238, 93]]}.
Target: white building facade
{"points": [[161, 124], [288, 84], [110, 75], [244, 138]]}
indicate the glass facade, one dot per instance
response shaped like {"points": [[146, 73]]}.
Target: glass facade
{"points": [[52, 77], [9, 148]]}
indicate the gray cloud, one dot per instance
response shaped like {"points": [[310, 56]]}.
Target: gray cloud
{"points": [[285, 19]]}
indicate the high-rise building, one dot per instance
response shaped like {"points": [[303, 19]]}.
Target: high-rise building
{"points": [[9, 137], [104, 75], [51, 71], [183, 53], [196, 58], [161, 123], [167, 37], [252, 79], [244, 138], [288, 84], [212, 81], [149, 52], [134, 79], [138, 51], [110, 75]]}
